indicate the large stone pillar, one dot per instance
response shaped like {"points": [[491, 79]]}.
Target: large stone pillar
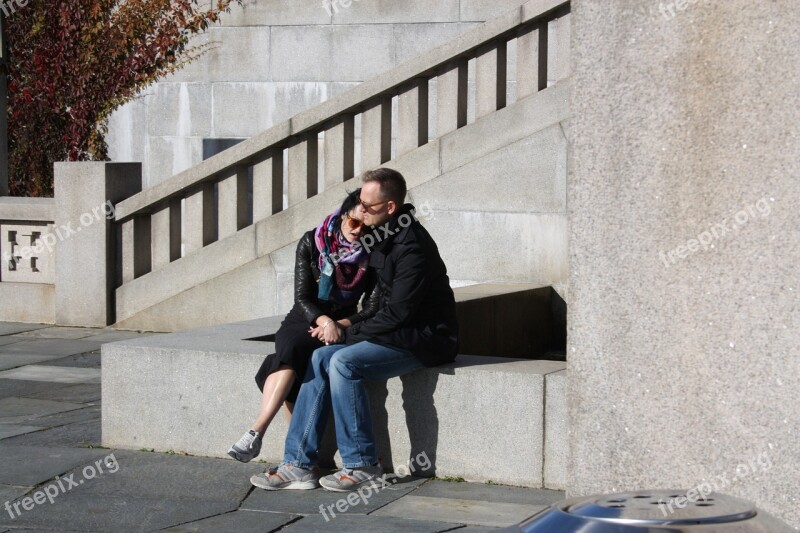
{"points": [[684, 318], [86, 247]]}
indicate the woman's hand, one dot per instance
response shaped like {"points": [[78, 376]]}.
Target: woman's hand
{"points": [[327, 331]]}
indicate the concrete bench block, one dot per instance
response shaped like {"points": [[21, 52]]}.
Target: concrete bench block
{"points": [[480, 418], [556, 434]]}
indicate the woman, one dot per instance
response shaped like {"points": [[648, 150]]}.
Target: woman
{"points": [[330, 277]]}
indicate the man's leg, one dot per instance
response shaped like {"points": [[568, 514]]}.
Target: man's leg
{"points": [[349, 368], [299, 467], [310, 411]]}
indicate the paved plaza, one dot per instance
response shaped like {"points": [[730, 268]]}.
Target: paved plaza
{"points": [[56, 476]]}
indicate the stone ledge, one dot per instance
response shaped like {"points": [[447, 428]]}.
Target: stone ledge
{"points": [[479, 418], [27, 209]]}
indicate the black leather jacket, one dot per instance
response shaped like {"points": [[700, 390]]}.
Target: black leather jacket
{"points": [[417, 308], [306, 286]]}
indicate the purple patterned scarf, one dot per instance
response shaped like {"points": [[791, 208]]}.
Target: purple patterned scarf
{"points": [[342, 264]]}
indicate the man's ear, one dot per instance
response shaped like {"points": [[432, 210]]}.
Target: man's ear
{"points": [[391, 207]]}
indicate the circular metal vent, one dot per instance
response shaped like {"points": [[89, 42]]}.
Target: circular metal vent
{"points": [[662, 511], [655, 508]]}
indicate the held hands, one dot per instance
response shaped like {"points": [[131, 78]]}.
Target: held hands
{"points": [[327, 331]]}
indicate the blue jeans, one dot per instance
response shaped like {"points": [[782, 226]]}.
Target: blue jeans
{"points": [[336, 377]]}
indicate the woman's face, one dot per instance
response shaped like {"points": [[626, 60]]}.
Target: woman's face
{"points": [[352, 225]]}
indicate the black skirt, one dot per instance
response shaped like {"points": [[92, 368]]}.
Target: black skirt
{"points": [[294, 347]]}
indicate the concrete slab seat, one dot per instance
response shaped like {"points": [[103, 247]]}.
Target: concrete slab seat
{"points": [[481, 418]]}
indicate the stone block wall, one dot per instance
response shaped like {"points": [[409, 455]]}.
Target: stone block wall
{"points": [[272, 59]]}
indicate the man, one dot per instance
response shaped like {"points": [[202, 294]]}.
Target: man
{"points": [[414, 327]]}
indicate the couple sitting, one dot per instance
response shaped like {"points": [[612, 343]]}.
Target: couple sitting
{"points": [[407, 322]]}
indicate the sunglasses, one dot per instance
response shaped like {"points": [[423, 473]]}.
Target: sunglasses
{"points": [[353, 223], [367, 206]]}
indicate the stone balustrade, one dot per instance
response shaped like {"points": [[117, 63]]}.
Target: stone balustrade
{"points": [[292, 161]]}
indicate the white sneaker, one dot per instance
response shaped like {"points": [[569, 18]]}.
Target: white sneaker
{"points": [[287, 477], [247, 448], [350, 479]]}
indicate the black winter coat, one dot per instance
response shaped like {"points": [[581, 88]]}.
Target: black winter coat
{"points": [[417, 309], [306, 288]]}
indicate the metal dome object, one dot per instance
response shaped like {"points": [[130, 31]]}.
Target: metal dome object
{"points": [[657, 511]]}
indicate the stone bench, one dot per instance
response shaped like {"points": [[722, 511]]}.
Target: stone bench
{"points": [[479, 418]]}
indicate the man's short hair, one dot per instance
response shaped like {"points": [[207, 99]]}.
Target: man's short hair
{"points": [[392, 183]]}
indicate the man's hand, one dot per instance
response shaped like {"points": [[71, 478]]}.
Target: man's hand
{"points": [[329, 333]]}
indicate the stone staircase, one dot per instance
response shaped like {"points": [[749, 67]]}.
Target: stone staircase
{"points": [[201, 249]]}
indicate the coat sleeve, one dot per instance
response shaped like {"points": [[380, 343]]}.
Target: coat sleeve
{"points": [[409, 288], [305, 286], [369, 305]]}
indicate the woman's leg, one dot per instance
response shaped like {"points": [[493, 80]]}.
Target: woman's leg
{"points": [[276, 388]]}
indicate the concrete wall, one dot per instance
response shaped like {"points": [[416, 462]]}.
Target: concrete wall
{"points": [[273, 58], [683, 363]]}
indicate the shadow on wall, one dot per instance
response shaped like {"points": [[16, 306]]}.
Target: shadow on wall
{"points": [[529, 324], [421, 420]]}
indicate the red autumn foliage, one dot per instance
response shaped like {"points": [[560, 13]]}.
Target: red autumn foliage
{"points": [[73, 62]]}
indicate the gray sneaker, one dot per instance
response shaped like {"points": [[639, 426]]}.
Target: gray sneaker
{"points": [[350, 479], [246, 448], [287, 477]]}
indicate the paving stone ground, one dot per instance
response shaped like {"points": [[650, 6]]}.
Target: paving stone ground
{"points": [[56, 476]]}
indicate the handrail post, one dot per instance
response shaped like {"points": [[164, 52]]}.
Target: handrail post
{"points": [[376, 134], [166, 234], [491, 79], [340, 151], [303, 168], [412, 117], [200, 227], [268, 185], [451, 97], [232, 202]]}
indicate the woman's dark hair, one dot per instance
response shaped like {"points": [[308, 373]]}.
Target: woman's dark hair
{"points": [[351, 201]]}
